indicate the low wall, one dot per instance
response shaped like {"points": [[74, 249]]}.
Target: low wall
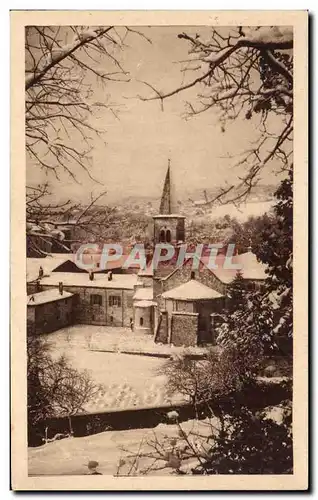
{"points": [[254, 397]]}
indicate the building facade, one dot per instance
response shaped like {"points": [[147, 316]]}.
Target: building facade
{"points": [[175, 304]]}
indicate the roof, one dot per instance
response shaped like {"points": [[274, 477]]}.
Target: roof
{"points": [[46, 296], [48, 263], [165, 203], [168, 216], [143, 294], [120, 281], [250, 267], [192, 290], [55, 260], [144, 303]]}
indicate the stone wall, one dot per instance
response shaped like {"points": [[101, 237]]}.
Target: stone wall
{"points": [[50, 316], [184, 306], [203, 275], [184, 329], [157, 291], [174, 224], [146, 281], [161, 334], [101, 314]]}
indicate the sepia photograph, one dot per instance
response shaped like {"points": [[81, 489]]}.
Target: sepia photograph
{"points": [[157, 232]]}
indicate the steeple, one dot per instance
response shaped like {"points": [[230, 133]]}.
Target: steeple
{"points": [[165, 204], [168, 226]]}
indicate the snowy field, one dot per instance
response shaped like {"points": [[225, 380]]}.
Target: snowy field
{"points": [[109, 339], [129, 381], [69, 456]]}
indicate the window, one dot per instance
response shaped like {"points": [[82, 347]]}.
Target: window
{"points": [[114, 301], [96, 300], [141, 321], [168, 236], [162, 236]]}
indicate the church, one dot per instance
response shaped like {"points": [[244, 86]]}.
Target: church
{"points": [[179, 305], [175, 304]]}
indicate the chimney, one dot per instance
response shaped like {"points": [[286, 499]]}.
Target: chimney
{"points": [[61, 287], [110, 276], [91, 275]]}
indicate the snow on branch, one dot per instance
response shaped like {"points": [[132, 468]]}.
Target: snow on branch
{"points": [[245, 73], [58, 54], [269, 37]]}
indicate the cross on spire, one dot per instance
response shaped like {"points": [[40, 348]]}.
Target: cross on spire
{"points": [[165, 204]]}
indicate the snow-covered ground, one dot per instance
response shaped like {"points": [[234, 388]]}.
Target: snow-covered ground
{"points": [[128, 342], [129, 381], [70, 456]]}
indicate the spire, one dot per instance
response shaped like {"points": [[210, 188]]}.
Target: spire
{"points": [[165, 204]]}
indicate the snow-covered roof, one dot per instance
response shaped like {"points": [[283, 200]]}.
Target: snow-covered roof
{"points": [[46, 296], [249, 266], [143, 294], [47, 263], [120, 281], [192, 290], [144, 303], [54, 260], [168, 216], [252, 269]]}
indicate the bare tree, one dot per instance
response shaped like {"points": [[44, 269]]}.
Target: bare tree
{"points": [[245, 442], [36, 210], [91, 220], [62, 66], [246, 73], [67, 389]]}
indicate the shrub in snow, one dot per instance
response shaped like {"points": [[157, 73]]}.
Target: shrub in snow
{"points": [[172, 415], [270, 371]]}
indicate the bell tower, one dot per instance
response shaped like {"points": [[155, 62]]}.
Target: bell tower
{"points": [[168, 227]]}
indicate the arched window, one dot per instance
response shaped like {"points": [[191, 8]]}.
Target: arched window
{"points": [[162, 236], [168, 236], [141, 321]]}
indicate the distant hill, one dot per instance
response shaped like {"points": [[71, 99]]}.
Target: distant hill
{"points": [[194, 197]]}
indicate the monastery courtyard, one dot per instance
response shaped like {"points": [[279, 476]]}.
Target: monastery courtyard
{"points": [[129, 380]]}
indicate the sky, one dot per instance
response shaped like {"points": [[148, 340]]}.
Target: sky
{"points": [[134, 159]]}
